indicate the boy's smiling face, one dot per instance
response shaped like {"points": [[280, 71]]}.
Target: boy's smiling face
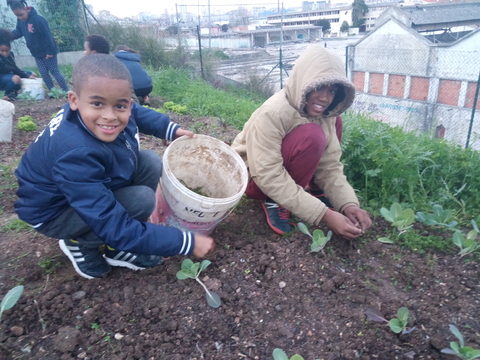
{"points": [[104, 105], [319, 100]]}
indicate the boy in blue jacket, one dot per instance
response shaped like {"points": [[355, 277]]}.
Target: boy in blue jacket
{"points": [[84, 178]]}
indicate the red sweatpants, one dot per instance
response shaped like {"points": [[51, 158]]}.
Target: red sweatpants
{"points": [[302, 150]]}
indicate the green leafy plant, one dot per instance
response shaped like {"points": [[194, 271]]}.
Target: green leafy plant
{"points": [[26, 96], [57, 93], [469, 244], [401, 218], [397, 325], [26, 123], [176, 108], [439, 217], [319, 240], [10, 299], [458, 348], [279, 354], [192, 270]]}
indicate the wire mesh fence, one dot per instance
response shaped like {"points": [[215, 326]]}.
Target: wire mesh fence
{"points": [[431, 89]]}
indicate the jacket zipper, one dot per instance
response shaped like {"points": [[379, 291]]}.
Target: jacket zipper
{"points": [[129, 147]]}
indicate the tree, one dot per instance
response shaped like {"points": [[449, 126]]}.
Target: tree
{"points": [[359, 9], [344, 27], [324, 23]]}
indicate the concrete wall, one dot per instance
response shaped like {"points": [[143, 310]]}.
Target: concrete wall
{"points": [[403, 79]]}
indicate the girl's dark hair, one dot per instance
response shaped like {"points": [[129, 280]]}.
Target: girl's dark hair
{"points": [[98, 43], [6, 37], [124, 48], [17, 4]]}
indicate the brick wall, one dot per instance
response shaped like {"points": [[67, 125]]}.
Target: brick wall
{"points": [[471, 88], [448, 92], [396, 85], [376, 83], [419, 88], [359, 80]]}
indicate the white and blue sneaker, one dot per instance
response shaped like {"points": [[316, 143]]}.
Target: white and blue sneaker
{"points": [[131, 261], [88, 262]]}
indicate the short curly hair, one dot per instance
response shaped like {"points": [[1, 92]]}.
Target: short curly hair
{"points": [[99, 44]]}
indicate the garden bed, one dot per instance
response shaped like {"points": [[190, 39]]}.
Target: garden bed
{"points": [[275, 293]]}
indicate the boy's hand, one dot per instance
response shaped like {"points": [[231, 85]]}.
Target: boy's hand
{"points": [[203, 245], [359, 217], [33, 76], [181, 132], [341, 225]]}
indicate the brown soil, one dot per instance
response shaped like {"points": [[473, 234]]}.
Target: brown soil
{"points": [[275, 293]]}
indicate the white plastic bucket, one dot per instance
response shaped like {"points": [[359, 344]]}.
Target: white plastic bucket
{"points": [[7, 109], [34, 86], [205, 164]]}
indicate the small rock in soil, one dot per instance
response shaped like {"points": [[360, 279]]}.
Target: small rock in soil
{"points": [[78, 295], [17, 330]]}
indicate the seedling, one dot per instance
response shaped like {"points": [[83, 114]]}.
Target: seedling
{"points": [[469, 244], [319, 240], [397, 325], [458, 348], [26, 123], [192, 270], [27, 96], [439, 217], [10, 299], [400, 218], [279, 354], [57, 93]]}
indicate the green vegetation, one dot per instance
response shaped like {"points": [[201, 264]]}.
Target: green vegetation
{"points": [[459, 349], [467, 244], [57, 93], [319, 240], [16, 225], [401, 218], [26, 123], [192, 270], [439, 217], [279, 354], [397, 325], [10, 299]]}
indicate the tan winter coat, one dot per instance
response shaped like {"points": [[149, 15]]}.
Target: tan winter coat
{"points": [[259, 143]]}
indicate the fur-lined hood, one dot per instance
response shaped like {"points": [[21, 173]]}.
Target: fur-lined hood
{"points": [[317, 67]]}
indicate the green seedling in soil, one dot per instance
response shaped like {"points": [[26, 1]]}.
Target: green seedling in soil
{"points": [[319, 240], [400, 218], [397, 325], [469, 244], [26, 123], [192, 270], [26, 96], [10, 299], [176, 108], [197, 190], [458, 348], [279, 354], [439, 217], [57, 93]]}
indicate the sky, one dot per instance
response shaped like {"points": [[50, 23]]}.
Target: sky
{"points": [[131, 8]]}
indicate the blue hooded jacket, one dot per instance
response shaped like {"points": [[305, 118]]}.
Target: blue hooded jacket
{"points": [[141, 79], [67, 165], [37, 34]]}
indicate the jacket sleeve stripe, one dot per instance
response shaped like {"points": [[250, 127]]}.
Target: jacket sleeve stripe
{"points": [[187, 243]]}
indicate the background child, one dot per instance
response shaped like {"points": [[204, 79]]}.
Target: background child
{"points": [[142, 82], [292, 141], [84, 177], [10, 74], [96, 44], [39, 41]]}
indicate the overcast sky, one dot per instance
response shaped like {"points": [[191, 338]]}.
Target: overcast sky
{"points": [[132, 8]]}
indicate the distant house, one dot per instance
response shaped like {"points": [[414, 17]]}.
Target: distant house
{"points": [[409, 80]]}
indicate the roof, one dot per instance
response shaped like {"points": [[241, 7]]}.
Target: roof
{"points": [[434, 14]]}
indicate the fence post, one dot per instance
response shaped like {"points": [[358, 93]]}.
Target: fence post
{"points": [[200, 50], [475, 99]]}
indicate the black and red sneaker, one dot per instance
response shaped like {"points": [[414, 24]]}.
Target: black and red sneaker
{"points": [[320, 196], [277, 216]]}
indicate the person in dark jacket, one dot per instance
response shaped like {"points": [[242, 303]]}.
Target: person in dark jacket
{"points": [[10, 73], [39, 41], [84, 181], [142, 82]]}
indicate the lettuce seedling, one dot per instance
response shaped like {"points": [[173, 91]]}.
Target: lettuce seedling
{"points": [[319, 240], [459, 349], [192, 270], [397, 325], [10, 299], [439, 217], [469, 244], [401, 219], [279, 354]]}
